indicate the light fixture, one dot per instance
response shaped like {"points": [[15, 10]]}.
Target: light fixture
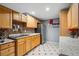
{"points": [[47, 9], [33, 12]]}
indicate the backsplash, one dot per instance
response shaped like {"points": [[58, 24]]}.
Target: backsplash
{"points": [[4, 33], [22, 31], [21, 28]]}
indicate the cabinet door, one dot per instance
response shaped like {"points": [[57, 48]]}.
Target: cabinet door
{"points": [[5, 17], [24, 18], [69, 18], [20, 49], [28, 44], [37, 40], [75, 15], [16, 16], [31, 22], [33, 42]]}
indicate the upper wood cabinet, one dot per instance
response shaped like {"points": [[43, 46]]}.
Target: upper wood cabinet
{"points": [[31, 22], [69, 18], [75, 16], [5, 17], [24, 19], [73, 21], [16, 16], [63, 23]]}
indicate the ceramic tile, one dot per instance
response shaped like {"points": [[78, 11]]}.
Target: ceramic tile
{"points": [[47, 49], [69, 46]]}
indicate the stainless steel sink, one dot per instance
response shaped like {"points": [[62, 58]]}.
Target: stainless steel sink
{"points": [[17, 35]]}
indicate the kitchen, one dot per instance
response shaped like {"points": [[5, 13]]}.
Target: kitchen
{"points": [[14, 22], [26, 29]]}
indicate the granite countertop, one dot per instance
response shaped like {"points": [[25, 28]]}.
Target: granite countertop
{"points": [[7, 41], [18, 36]]}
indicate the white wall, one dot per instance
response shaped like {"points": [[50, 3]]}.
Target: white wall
{"points": [[52, 34]]}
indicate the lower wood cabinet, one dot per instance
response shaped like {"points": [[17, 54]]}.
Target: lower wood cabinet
{"points": [[28, 44], [20, 47], [25, 44], [35, 41], [7, 49], [12, 54]]}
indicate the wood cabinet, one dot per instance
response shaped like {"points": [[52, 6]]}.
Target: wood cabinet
{"points": [[69, 17], [35, 41], [20, 47], [31, 22], [16, 16], [63, 23], [28, 44], [24, 19], [7, 49], [73, 21], [33, 44], [5, 17], [25, 44]]}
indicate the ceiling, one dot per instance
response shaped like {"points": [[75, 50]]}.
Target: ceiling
{"points": [[39, 9]]}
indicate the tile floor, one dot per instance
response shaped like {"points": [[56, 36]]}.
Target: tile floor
{"points": [[47, 49], [69, 46]]}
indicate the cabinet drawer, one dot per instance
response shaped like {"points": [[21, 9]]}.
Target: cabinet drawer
{"points": [[19, 43], [20, 40], [4, 46], [7, 51], [4, 52], [11, 49], [12, 54]]}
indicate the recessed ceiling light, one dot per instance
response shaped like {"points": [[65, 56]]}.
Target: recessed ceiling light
{"points": [[33, 12], [47, 9]]}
